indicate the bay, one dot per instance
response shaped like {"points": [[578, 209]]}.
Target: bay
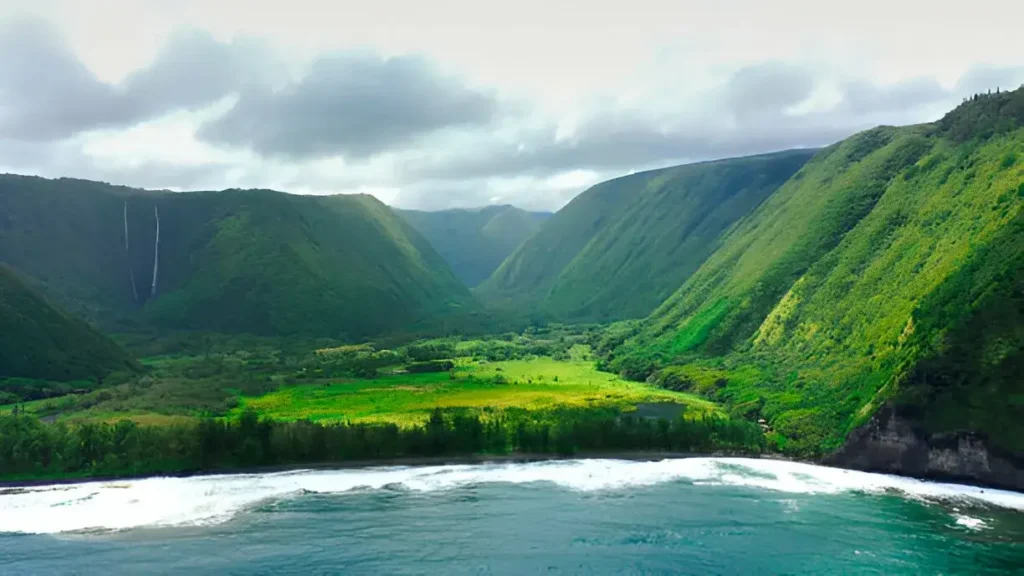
{"points": [[689, 516]]}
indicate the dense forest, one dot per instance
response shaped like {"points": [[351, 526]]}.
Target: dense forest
{"points": [[30, 449]]}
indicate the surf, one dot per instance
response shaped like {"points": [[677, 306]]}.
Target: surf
{"points": [[206, 500]]}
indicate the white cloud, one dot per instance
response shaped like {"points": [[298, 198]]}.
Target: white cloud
{"points": [[525, 102]]}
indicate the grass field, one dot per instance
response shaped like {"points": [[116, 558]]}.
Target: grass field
{"points": [[541, 372], [537, 384]]}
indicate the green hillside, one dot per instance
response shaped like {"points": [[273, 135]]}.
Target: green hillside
{"points": [[253, 261], [39, 341], [888, 270], [475, 242], [620, 248], [68, 235]]}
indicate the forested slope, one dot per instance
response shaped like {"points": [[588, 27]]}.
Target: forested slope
{"points": [[620, 248], [39, 341], [475, 242], [887, 272], [254, 261]]}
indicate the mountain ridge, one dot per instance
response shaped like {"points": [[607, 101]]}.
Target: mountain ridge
{"points": [[858, 283], [255, 261], [640, 235], [40, 341]]}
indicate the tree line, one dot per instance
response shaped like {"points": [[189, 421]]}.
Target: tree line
{"points": [[30, 448]]}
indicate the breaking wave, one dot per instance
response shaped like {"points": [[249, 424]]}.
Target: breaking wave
{"points": [[199, 500]]}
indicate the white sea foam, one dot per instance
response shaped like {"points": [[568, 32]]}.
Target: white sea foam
{"points": [[970, 522], [212, 499]]}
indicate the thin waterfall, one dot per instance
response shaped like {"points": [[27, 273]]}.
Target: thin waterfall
{"points": [[131, 274], [156, 250], [126, 226]]}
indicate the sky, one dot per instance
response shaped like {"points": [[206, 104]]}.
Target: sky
{"points": [[441, 104]]}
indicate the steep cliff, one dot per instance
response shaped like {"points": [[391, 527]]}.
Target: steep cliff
{"points": [[872, 307], [897, 445], [254, 261]]}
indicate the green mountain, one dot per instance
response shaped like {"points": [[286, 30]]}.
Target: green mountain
{"points": [[39, 341], [620, 248], [475, 242], [886, 273], [253, 261]]}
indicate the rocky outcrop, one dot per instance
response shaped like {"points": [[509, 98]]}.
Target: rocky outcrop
{"points": [[894, 444]]}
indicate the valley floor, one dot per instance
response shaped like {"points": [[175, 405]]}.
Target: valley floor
{"points": [[178, 390], [503, 399], [242, 405], [539, 383]]}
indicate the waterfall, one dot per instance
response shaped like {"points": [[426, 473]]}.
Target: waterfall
{"points": [[131, 274], [156, 250], [126, 226]]}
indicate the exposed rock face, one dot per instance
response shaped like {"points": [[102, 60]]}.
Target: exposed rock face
{"points": [[891, 443]]}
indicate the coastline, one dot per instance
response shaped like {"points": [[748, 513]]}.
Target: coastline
{"points": [[7, 486], [12, 486]]}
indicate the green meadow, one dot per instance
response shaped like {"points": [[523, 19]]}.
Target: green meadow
{"points": [[367, 383], [539, 383]]}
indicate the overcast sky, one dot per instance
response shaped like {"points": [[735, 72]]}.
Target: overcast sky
{"points": [[464, 103]]}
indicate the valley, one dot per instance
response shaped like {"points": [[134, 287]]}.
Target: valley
{"points": [[445, 397], [475, 242], [862, 305], [362, 385], [511, 287]]}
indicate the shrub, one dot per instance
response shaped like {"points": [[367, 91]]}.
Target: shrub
{"points": [[431, 366]]}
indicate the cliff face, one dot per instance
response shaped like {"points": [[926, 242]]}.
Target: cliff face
{"points": [[234, 261], [889, 270], [892, 443]]}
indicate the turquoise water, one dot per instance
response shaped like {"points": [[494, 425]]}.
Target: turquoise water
{"points": [[693, 516]]}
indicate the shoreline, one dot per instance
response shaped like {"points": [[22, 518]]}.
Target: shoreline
{"points": [[13, 486], [7, 486]]}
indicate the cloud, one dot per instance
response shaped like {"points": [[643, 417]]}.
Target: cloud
{"points": [[353, 105], [746, 114], [983, 79], [756, 109], [546, 123], [47, 93], [862, 97], [194, 70], [617, 143], [524, 191], [767, 88]]}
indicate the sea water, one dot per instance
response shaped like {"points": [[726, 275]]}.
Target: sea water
{"points": [[689, 516]]}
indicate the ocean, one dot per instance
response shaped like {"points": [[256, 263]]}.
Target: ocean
{"points": [[676, 516]]}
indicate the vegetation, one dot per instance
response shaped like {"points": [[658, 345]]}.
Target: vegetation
{"points": [[970, 333], [229, 408], [254, 261], [886, 270], [475, 242], [38, 341], [30, 449], [360, 383], [796, 299], [620, 248], [407, 398]]}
